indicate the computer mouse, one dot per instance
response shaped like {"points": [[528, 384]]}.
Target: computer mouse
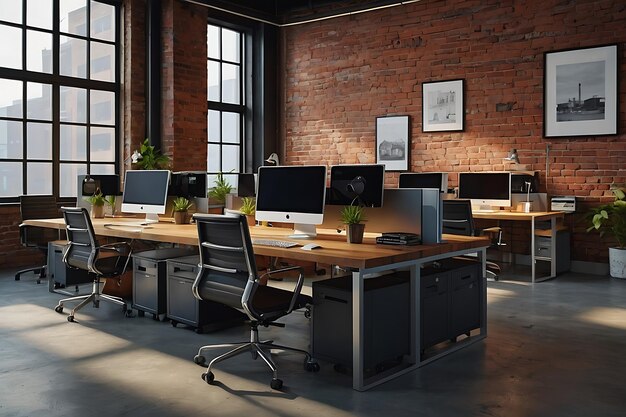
{"points": [[311, 246]]}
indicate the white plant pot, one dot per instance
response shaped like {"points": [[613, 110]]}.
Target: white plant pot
{"points": [[617, 262]]}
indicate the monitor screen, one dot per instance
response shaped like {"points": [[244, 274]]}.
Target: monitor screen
{"points": [[188, 184], [292, 194], [108, 184], [352, 184], [145, 192], [424, 180], [486, 189]]}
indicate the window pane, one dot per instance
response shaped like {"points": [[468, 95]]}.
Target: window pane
{"points": [[213, 81], [102, 107], [39, 178], [10, 139], [213, 158], [39, 141], [73, 15], [73, 58], [10, 179], [230, 158], [230, 83], [231, 46], [101, 169], [11, 57], [102, 21], [39, 13], [73, 143], [102, 61], [68, 182], [230, 127], [11, 98], [213, 121], [11, 11], [213, 42], [73, 104], [102, 144], [39, 51], [39, 104]]}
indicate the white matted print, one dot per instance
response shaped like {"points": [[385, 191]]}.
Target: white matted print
{"points": [[442, 106], [393, 142]]}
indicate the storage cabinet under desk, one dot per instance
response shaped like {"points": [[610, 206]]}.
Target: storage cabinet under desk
{"points": [[543, 248], [59, 274]]}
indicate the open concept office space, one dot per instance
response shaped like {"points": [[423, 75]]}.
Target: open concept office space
{"points": [[290, 207]]}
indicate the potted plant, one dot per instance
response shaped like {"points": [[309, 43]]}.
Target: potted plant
{"points": [[181, 206], [149, 158], [610, 219], [220, 189], [248, 207], [352, 216], [97, 204], [110, 201]]}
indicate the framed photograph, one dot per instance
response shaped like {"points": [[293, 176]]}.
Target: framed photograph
{"points": [[393, 142], [442, 106], [580, 92]]}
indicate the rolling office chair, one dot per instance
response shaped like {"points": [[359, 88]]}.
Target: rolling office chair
{"points": [[458, 220], [37, 207], [228, 275], [84, 252]]}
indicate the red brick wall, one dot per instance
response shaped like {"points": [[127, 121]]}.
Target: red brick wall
{"points": [[340, 74]]}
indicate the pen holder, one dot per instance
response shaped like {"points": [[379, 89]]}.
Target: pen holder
{"points": [[525, 206]]}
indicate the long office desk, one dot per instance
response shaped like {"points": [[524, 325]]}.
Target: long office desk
{"points": [[533, 218], [365, 260]]}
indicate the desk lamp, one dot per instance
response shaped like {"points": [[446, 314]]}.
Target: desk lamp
{"points": [[272, 160], [513, 156]]}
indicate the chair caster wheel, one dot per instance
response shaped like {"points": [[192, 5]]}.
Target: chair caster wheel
{"points": [[70, 319], [58, 309], [311, 366], [208, 377], [199, 360], [174, 323], [276, 384], [128, 313], [307, 313]]}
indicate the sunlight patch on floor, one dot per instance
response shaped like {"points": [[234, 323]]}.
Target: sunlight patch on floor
{"points": [[606, 316]]}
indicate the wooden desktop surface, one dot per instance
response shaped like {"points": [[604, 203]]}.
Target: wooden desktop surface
{"points": [[518, 215], [334, 248]]}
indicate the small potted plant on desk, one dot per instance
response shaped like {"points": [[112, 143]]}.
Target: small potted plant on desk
{"points": [[181, 206], [611, 219], [97, 204], [221, 188], [248, 207], [352, 216]]}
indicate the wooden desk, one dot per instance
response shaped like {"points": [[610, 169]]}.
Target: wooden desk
{"points": [[533, 218], [367, 260]]}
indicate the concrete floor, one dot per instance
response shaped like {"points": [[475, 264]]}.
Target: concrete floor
{"points": [[555, 349]]}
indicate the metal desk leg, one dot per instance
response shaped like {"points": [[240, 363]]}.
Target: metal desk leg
{"points": [[357, 330], [533, 261], [553, 247]]}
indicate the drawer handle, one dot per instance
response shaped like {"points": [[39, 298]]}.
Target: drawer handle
{"points": [[179, 269], [338, 300], [182, 282], [466, 277], [141, 268]]}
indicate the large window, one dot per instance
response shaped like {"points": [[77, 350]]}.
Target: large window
{"points": [[59, 92], [226, 102]]}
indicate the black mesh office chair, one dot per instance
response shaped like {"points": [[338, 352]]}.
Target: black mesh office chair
{"points": [[84, 252], [37, 207], [228, 275], [458, 220]]}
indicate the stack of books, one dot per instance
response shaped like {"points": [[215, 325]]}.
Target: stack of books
{"points": [[399, 238]]}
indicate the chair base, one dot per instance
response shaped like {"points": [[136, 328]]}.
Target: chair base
{"points": [[41, 270], [95, 297]]}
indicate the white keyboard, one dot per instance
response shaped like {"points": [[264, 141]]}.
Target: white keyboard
{"points": [[275, 243]]}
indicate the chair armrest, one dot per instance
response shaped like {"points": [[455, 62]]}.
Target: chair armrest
{"points": [[298, 286], [123, 248]]}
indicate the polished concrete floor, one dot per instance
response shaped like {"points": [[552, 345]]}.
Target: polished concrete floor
{"points": [[557, 348]]}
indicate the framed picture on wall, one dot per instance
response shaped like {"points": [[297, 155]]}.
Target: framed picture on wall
{"points": [[580, 92], [442, 106], [393, 142]]}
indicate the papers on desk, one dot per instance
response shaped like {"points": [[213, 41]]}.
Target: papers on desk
{"points": [[128, 226]]}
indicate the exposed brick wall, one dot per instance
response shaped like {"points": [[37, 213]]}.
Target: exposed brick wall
{"points": [[340, 74]]}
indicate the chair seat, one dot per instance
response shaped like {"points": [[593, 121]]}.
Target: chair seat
{"points": [[273, 302], [111, 266]]}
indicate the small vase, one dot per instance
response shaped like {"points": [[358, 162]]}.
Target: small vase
{"points": [[617, 262], [180, 217], [250, 219], [354, 233], [97, 212]]}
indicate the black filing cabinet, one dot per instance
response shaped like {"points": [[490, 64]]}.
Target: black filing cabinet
{"points": [[149, 279], [435, 309], [183, 307], [386, 320], [59, 274]]}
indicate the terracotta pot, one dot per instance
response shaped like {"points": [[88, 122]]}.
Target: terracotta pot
{"points": [[251, 220], [180, 217], [354, 232], [97, 212]]}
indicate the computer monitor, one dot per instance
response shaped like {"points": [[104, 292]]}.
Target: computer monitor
{"points": [[437, 180], [108, 184], [188, 184], [357, 184], [246, 186], [145, 191], [292, 194], [486, 189]]}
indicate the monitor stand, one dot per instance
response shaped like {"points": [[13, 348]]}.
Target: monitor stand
{"points": [[303, 231], [483, 208], [151, 218]]}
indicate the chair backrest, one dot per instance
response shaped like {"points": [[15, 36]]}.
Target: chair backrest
{"points": [[82, 248], [38, 207], [227, 267], [457, 217]]}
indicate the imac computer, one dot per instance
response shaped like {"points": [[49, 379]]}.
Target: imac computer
{"points": [[146, 192], [188, 184], [437, 180], [357, 184], [292, 194], [486, 190]]}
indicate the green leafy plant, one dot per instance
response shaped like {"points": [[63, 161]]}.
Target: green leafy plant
{"points": [[110, 200], [248, 206], [610, 219], [181, 204], [151, 158], [220, 189], [352, 215], [97, 199]]}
